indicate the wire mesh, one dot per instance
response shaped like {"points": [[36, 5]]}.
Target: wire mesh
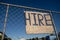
{"points": [[15, 21], [2, 16], [15, 27]]}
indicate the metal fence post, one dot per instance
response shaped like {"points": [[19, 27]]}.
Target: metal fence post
{"points": [[55, 30], [5, 22]]}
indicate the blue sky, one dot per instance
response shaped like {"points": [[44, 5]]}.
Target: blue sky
{"points": [[16, 28]]}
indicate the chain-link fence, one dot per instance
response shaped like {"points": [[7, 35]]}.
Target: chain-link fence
{"points": [[15, 21]]}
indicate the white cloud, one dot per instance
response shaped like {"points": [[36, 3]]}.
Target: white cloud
{"points": [[22, 39]]}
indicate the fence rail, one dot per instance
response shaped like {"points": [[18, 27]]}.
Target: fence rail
{"points": [[28, 7]]}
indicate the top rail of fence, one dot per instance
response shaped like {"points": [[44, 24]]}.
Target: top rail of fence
{"points": [[28, 7]]}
